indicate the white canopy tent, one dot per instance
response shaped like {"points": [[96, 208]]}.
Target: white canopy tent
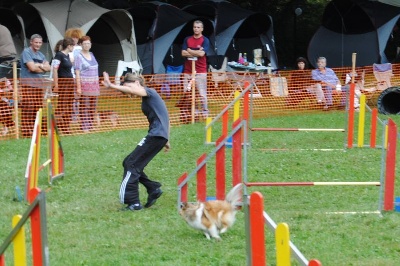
{"points": [[111, 31]]}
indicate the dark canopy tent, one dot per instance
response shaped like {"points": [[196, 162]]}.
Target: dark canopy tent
{"points": [[354, 26], [159, 28], [14, 24], [237, 30]]}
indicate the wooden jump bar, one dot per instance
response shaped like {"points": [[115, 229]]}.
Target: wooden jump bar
{"points": [[296, 184], [295, 129]]}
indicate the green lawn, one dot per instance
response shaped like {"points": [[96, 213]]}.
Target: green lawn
{"points": [[86, 228]]}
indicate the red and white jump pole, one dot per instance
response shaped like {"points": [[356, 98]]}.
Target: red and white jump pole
{"points": [[297, 129], [305, 184]]}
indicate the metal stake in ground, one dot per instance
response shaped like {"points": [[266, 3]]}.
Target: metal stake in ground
{"points": [[193, 59]]}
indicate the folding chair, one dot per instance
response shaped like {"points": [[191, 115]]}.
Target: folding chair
{"points": [[238, 79], [126, 67], [219, 75], [173, 74], [383, 73], [173, 78]]}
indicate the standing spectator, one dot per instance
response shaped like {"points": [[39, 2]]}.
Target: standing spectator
{"points": [[57, 48], [195, 48], [155, 110], [64, 85], [5, 106], [33, 66], [76, 34], [87, 83], [327, 80]]}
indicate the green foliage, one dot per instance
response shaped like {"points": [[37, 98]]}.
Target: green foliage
{"points": [[85, 226]]}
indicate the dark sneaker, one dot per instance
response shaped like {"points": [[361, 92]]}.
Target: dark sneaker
{"points": [[152, 198], [133, 207]]}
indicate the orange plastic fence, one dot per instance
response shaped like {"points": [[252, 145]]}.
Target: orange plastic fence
{"points": [[281, 93]]}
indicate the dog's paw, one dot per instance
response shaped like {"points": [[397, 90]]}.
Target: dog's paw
{"points": [[217, 238], [223, 230]]}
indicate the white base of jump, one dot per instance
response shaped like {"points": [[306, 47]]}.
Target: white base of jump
{"points": [[360, 212]]}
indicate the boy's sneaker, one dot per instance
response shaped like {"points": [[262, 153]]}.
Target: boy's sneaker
{"points": [[133, 207], [152, 198]]}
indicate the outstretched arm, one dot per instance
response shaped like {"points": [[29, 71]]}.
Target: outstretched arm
{"points": [[134, 90]]}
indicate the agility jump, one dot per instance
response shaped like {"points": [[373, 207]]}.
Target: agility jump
{"points": [[55, 160], [36, 212], [224, 114], [387, 174], [239, 132], [256, 218], [350, 121]]}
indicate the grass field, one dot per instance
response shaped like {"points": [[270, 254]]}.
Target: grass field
{"points": [[85, 226]]}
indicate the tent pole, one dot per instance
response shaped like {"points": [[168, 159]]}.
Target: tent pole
{"points": [[69, 11]]}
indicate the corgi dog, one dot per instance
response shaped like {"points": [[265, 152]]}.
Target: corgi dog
{"points": [[213, 217]]}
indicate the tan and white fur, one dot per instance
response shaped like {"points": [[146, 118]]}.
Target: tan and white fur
{"points": [[213, 217]]}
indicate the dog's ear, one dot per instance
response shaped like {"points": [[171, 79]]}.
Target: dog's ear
{"points": [[184, 205], [207, 206]]}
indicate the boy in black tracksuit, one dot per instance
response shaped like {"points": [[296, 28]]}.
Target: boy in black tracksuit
{"points": [[154, 108]]}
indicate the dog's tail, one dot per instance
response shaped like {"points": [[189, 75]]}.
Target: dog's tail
{"points": [[234, 196]]}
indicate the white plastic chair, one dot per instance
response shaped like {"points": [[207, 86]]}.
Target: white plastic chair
{"points": [[219, 75], [126, 67], [383, 74]]}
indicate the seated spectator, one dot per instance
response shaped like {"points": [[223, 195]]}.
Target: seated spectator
{"points": [[326, 80], [6, 101], [300, 84]]}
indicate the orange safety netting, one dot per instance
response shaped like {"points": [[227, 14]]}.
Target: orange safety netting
{"points": [[279, 93]]}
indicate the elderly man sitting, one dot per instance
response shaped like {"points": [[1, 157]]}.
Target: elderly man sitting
{"points": [[327, 80]]}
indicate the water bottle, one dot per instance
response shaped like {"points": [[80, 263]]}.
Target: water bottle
{"points": [[245, 57], [240, 60]]}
